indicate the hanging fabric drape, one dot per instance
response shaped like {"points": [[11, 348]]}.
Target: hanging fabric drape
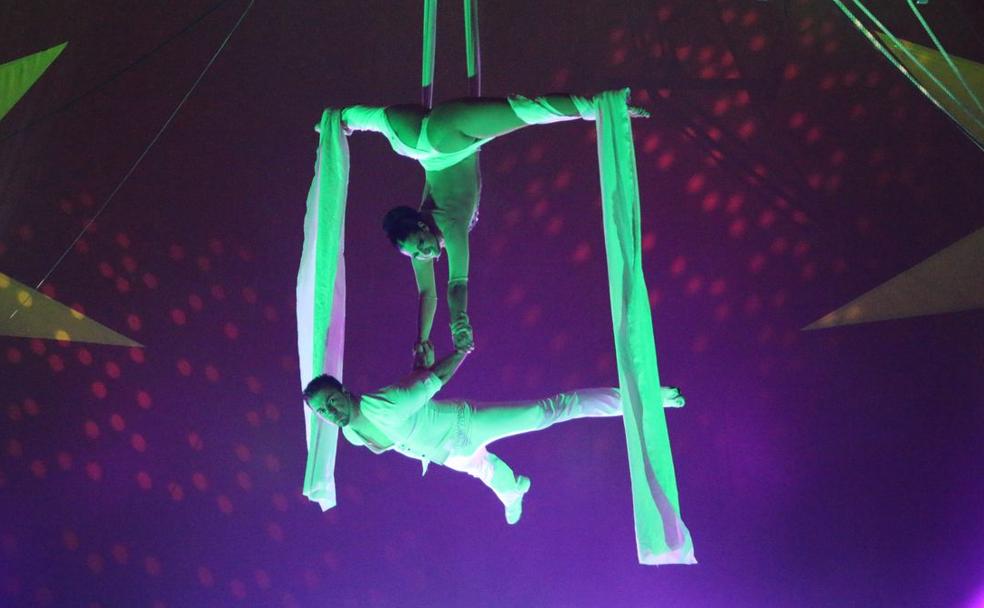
{"points": [[661, 536], [321, 298]]}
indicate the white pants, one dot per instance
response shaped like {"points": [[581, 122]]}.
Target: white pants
{"points": [[491, 421]]}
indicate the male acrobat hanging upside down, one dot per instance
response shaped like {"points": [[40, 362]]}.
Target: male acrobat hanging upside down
{"points": [[405, 417], [445, 141]]}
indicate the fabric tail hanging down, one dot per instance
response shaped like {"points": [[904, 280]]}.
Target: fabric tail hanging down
{"points": [[661, 536], [321, 298]]}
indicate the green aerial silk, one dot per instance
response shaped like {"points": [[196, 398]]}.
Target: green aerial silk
{"points": [[321, 298], [17, 76], [661, 536]]}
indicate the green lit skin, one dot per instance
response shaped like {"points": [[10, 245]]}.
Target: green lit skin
{"points": [[456, 191]]}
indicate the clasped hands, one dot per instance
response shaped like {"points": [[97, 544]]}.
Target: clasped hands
{"points": [[461, 335]]}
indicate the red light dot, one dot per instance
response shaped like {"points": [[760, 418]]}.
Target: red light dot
{"points": [[31, 407], [648, 241], [279, 502], [184, 368], [262, 579], [106, 270], [254, 385], [176, 491], [99, 390], [94, 562], [253, 418], [176, 252], [116, 421], [71, 540], [137, 355], [695, 183], [39, 469], [231, 331], [665, 160], [91, 429], [152, 565], [13, 355], [275, 532], [756, 263], [271, 411], [120, 554], [237, 589], [112, 370], [195, 441], [144, 400], [244, 481], [270, 313], [38, 347], [55, 363], [242, 453], [84, 356], [211, 373], [581, 253], [225, 505], [205, 577], [195, 302], [138, 442], [178, 316], [249, 294], [199, 481], [122, 240], [150, 280], [143, 480], [678, 265], [133, 322], [218, 292], [64, 461], [272, 463], [94, 471]]}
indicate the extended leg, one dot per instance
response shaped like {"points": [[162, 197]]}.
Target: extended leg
{"points": [[496, 474], [456, 124]]}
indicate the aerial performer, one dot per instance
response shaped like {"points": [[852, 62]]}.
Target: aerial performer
{"points": [[445, 141], [404, 417]]}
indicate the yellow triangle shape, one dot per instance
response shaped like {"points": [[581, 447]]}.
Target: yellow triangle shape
{"points": [[27, 313], [17, 76], [970, 116], [948, 281]]}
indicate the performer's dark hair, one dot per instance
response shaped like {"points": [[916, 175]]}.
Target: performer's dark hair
{"points": [[322, 382], [400, 222]]}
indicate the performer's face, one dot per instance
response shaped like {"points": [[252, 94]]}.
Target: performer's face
{"points": [[334, 405], [421, 245]]}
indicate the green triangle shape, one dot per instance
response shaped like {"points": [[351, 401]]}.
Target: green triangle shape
{"points": [[27, 313], [964, 110], [950, 280], [17, 76]]}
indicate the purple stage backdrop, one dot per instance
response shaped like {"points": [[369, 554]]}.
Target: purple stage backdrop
{"points": [[787, 168]]}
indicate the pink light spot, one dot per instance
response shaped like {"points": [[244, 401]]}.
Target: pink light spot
{"points": [[94, 471], [275, 532], [144, 400], [242, 453], [120, 554], [137, 355], [757, 43], [150, 280], [678, 265], [195, 302], [112, 370], [91, 429], [122, 240], [244, 481], [152, 565], [695, 183], [116, 421], [138, 442], [737, 228], [272, 463], [56, 363], [747, 129], [735, 202], [31, 407], [143, 480], [237, 589], [13, 355], [249, 295], [225, 505], [129, 264], [279, 502], [211, 373], [254, 385], [231, 330], [271, 411], [133, 322], [270, 313], [756, 263], [648, 241], [218, 292], [710, 202], [216, 246], [694, 285], [665, 160], [184, 368], [64, 461], [95, 563], [71, 540], [717, 287], [195, 441], [176, 491], [199, 481], [38, 469], [38, 347], [791, 71], [767, 218], [253, 418], [204, 264], [122, 285], [262, 579], [205, 577], [797, 120], [106, 270]]}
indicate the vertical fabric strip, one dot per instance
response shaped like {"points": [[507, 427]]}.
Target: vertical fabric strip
{"points": [[321, 298], [661, 536]]}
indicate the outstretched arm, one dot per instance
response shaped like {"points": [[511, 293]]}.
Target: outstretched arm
{"points": [[446, 367], [423, 271]]}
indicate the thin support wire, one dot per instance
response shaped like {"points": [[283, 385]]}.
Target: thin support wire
{"points": [[946, 56], [153, 141]]}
